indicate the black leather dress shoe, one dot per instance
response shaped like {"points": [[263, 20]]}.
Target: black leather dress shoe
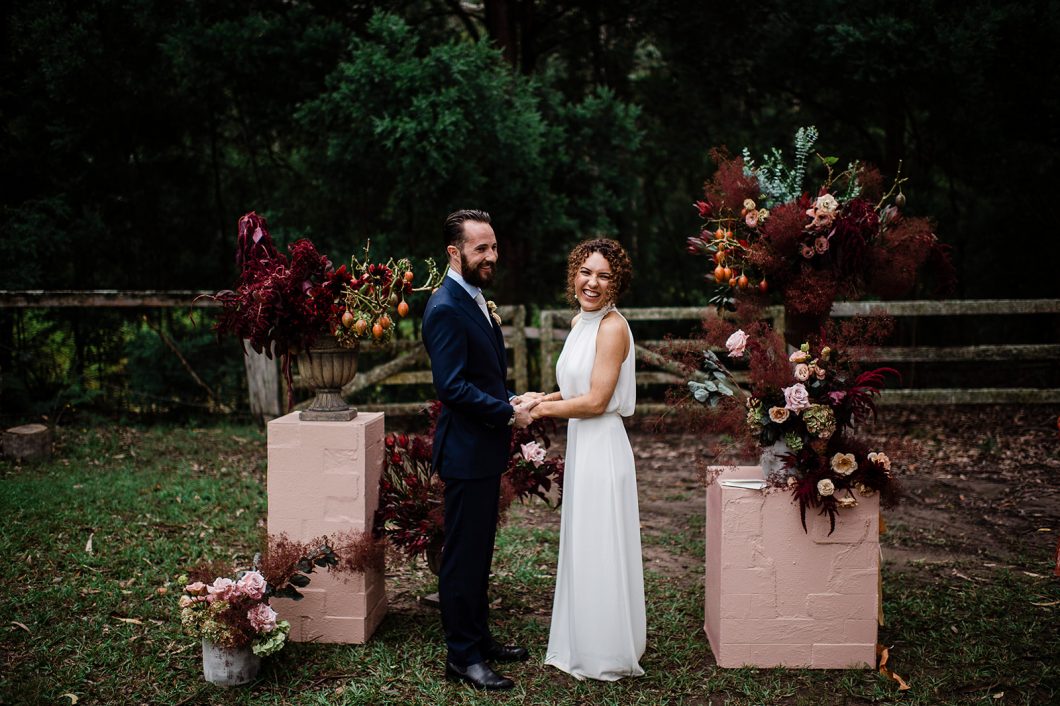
{"points": [[478, 675], [506, 653]]}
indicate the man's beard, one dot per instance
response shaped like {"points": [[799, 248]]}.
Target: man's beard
{"points": [[475, 276]]}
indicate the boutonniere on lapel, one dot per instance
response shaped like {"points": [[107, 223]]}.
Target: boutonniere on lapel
{"points": [[492, 306]]}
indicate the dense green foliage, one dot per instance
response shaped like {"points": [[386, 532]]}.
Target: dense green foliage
{"points": [[136, 132]]}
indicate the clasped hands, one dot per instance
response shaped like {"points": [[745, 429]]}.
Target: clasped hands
{"points": [[523, 404]]}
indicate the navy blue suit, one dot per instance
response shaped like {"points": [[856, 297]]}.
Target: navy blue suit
{"points": [[472, 444]]}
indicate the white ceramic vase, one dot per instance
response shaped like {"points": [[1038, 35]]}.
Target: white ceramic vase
{"points": [[228, 666]]}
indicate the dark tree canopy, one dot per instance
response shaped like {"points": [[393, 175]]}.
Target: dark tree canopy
{"points": [[136, 132]]}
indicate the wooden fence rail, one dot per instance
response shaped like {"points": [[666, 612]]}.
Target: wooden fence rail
{"points": [[408, 362], [552, 335]]}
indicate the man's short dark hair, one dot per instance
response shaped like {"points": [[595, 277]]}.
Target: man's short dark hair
{"points": [[453, 230]]}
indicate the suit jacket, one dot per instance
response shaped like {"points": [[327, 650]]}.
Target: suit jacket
{"points": [[470, 369]]}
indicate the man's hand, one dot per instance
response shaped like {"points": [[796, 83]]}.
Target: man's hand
{"points": [[522, 413]]}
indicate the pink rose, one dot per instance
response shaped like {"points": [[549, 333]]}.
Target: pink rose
{"points": [[821, 244], [533, 453], [220, 590], [736, 344], [802, 372], [807, 251], [796, 398], [751, 219], [799, 356], [262, 618], [837, 397], [251, 585], [196, 589], [186, 601]]}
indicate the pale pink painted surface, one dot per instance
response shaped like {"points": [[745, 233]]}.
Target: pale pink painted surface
{"points": [[323, 479], [778, 596]]}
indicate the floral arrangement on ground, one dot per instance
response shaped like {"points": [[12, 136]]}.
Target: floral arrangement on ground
{"points": [[764, 233], [411, 497], [233, 610], [803, 410]]}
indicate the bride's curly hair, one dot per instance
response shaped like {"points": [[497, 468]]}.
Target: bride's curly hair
{"points": [[617, 258]]}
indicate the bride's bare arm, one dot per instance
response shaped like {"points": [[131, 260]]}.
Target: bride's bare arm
{"points": [[612, 346]]}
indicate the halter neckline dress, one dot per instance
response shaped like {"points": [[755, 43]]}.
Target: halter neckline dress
{"points": [[598, 616]]}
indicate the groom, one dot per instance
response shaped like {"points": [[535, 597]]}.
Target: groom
{"points": [[471, 443]]}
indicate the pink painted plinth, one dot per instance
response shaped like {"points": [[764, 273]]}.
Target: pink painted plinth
{"points": [[323, 479], [777, 596]]}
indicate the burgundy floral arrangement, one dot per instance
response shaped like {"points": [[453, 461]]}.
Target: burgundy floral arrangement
{"points": [[803, 411], [411, 511], [283, 304], [846, 238]]}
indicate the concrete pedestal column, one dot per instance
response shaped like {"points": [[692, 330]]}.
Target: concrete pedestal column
{"points": [[779, 596], [323, 479]]}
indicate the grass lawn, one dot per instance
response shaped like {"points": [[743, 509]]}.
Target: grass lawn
{"points": [[94, 540]]}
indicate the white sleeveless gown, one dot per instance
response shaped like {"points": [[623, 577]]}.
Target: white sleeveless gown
{"points": [[598, 619]]}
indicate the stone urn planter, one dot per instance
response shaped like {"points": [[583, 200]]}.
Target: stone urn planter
{"points": [[327, 367], [229, 666]]}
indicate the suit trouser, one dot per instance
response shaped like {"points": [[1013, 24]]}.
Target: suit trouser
{"points": [[463, 581]]}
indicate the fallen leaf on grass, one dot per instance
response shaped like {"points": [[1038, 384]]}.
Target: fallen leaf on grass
{"points": [[1046, 605], [998, 695], [73, 699], [15, 622], [132, 621], [88, 544], [1033, 576], [882, 653]]}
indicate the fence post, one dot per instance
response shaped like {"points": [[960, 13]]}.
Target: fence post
{"points": [[519, 354], [263, 384], [548, 373]]}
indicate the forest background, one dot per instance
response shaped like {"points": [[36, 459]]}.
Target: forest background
{"points": [[136, 132]]}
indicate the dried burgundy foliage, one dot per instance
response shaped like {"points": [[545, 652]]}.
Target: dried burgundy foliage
{"points": [[811, 251], [280, 557], [811, 292], [730, 185], [207, 571], [281, 304], [871, 181], [359, 551], [851, 239]]}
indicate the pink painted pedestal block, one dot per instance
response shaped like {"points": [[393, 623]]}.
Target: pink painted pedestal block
{"points": [[777, 596], [323, 479]]}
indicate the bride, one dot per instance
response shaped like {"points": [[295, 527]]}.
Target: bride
{"points": [[598, 618]]}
